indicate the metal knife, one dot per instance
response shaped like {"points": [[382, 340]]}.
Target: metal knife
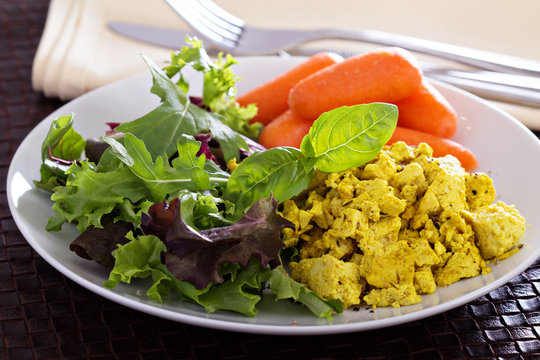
{"points": [[515, 89], [164, 37]]}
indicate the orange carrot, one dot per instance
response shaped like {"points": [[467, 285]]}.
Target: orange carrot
{"points": [[385, 75], [288, 129], [441, 146], [428, 111], [271, 97]]}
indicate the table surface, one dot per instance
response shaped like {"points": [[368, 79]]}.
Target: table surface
{"points": [[45, 315]]}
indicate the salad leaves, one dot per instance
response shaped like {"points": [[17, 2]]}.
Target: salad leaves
{"points": [[185, 172], [98, 244], [219, 89], [88, 195], [161, 129], [158, 203], [196, 256], [62, 142], [338, 140], [61, 146], [283, 172]]}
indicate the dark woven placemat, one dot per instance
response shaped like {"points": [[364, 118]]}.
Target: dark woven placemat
{"points": [[43, 315]]}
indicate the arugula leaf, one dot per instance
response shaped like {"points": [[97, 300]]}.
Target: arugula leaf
{"points": [[161, 129], [347, 137], [282, 172], [62, 141]]}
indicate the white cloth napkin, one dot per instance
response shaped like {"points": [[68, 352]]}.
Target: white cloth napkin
{"points": [[78, 53]]}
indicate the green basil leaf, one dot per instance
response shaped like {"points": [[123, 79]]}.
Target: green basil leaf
{"points": [[349, 136], [283, 172]]}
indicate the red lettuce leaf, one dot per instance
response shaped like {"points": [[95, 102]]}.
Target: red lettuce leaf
{"points": [[98, 244], [204, 139], [196, 256]]}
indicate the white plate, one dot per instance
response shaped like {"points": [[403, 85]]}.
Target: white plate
{"points": [[506, 150]]}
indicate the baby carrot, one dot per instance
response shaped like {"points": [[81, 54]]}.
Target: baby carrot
{"points": [[441, 146], [428, 111], [271, 97], [385, 75], [288, 129]]}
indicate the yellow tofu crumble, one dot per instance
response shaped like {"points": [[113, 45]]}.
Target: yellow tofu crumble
{"points": [[397, 227]]}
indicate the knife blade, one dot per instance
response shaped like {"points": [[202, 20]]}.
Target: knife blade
{"points": [[164, 37]]}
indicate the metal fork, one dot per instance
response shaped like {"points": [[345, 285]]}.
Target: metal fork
{"points": [[231, 34]]}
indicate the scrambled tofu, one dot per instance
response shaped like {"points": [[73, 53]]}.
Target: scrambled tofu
{"points": [[398, 227]]}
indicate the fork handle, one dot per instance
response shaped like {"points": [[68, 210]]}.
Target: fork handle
{"points": [[477, 58]]}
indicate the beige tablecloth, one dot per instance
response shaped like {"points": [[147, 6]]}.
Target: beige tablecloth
{"points": [[78, 53]]}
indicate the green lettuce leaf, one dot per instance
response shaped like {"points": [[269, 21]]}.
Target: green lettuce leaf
{"points": [[193, 55], [141, 258], [240, 292], [203, 210], [88, 195], [52, 174], [284, 287], [237, 118]]}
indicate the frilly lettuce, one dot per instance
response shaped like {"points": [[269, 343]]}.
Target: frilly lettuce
{"points": [[219, 85]]}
